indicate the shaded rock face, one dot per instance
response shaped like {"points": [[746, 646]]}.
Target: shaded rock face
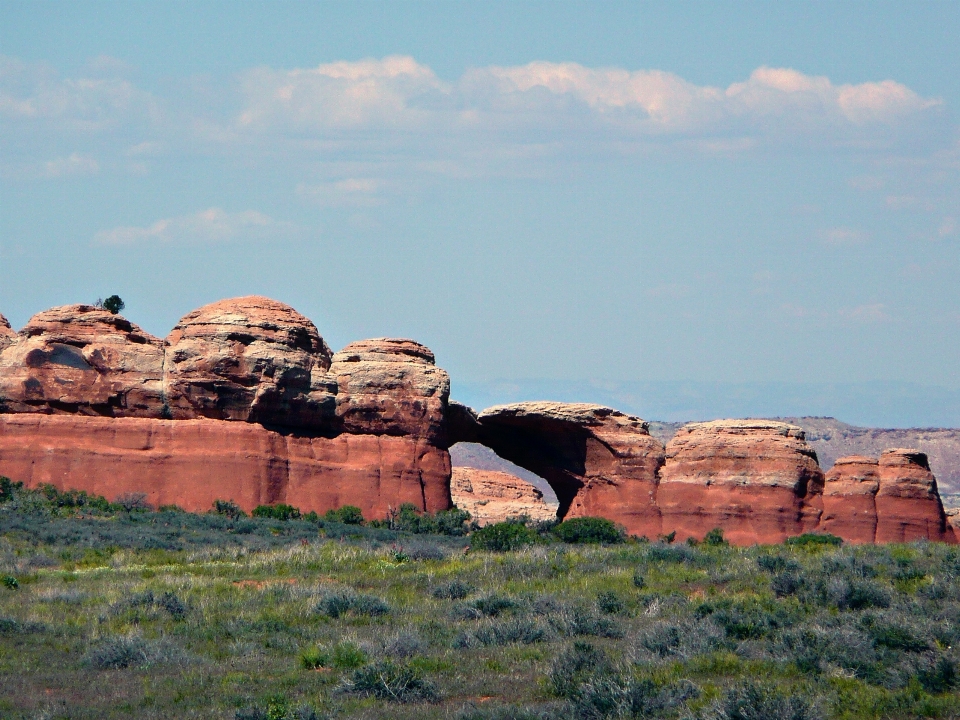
{"points": [[908, 504], [82, 359], [756, 479], [390, 387], [598, 461], [7, 335], [491, 496], [191, 463], [251, 359], [850, 499]]}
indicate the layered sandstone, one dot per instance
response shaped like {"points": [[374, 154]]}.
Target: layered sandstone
{"points": [[850, 499], [599, 461], [908, 503], [756, 479], [252, 359], [82, 359], [7, 335], [191, 463], [389, 386], [491, 496]]}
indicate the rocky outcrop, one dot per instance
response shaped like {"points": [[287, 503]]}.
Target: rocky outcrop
{"points": [[850, 499], [82, 359], [953, 524], [7, 335], [908, 504], [756, 479], [390, 387], [490, 496], [242, 401], [598, 461], [191, 463], [251, 359]]}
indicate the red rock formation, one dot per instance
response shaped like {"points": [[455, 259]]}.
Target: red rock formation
{"points": [[252, 359], [193, 462], [598, 461], [390, 386], [7, 335], [953, 524], [82, 359], [756, 479], [491, 496], [908, 504], [850, 499]]}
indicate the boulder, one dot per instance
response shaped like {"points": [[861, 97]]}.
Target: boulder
{"points": [[850, 499], [82, 359], [599, 461], [953, 524], [757, 480], [908, 503], [491, 496], [389, 386], [252, 359], [191, 463], [7, 335]]}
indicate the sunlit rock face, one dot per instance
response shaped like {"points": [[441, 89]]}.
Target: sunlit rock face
{"points": [[389, 386], [599, 461], [491, 496], [850, 499], [241, 401], [757, 480], [908, 503], [80, 359], [251, 359]]}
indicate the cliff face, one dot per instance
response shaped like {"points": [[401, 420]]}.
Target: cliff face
{"points": [[242, 401], [491, 496], [756, 479]]}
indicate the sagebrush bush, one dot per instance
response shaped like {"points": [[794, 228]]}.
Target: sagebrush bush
{"points": [[503, 536], [394, 682], [277, 512], [340, 603], [590, 530]]}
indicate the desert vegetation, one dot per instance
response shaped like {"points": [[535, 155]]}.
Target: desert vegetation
{"points": [[112, 610]]}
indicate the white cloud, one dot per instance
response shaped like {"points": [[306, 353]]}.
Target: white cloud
{"points": [[73, 164], [34, 93], [844, 236], [211, 225], [869, 313], [350, 192], [397, 93]]}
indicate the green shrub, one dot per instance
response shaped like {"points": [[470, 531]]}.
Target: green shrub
{"points": [[314, 658], [590, 530], [228, 508], [277, 512], [714, 538], [610, 603], [514, 631], [8, 488], [409, 518], [393, 682], [113, 304], [667, 553], [116, 653], [752, 701], [503, 536], [347, 515], [453, 590], [814, 540], [494, 605], [574, 666], [337, 604], [10, 582], [348, 655]]}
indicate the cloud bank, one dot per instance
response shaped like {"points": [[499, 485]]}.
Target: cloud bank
{"points": [[207, 226]]}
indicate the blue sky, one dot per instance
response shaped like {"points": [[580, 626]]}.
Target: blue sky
{"points": [[604, 201]]}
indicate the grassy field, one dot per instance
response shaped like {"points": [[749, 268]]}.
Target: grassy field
{"points": [[109, 612]]}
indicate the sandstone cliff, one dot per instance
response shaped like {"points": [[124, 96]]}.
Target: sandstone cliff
{"points": [[598, 461], [757, 480], [491, 496], [243, 401]]}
